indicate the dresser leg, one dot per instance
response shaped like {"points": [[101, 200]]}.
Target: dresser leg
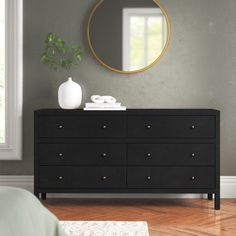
{"points": [[36, 194], [210, 196], [43, 196], [217, 201]]}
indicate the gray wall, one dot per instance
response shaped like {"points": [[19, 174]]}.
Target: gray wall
{"points": [[198, 71]]}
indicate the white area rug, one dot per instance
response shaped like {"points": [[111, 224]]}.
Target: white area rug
{"points": [[105, 228]]}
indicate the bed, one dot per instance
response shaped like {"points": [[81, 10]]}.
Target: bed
{"points": [[21, 214]]}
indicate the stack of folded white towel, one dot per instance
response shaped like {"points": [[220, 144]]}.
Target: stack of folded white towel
{"points": [[103, 103]]}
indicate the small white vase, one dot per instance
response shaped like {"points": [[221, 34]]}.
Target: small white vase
{"points": [[69, 95]]}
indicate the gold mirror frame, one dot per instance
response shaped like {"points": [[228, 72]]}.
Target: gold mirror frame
{"points": [[99, 2]]}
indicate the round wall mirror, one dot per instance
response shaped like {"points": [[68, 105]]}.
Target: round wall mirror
{"points": [[128, 36]]}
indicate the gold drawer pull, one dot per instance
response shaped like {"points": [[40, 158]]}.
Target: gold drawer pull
{"points": [[60, 154], [193, 178], [148, 155], [148, 178], [104, 126], [60, 126], [104, 154], [148, 126], [60, 178], [104, 178]]}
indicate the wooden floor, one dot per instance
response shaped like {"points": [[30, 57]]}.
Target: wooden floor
{"points": [[177, 217]]}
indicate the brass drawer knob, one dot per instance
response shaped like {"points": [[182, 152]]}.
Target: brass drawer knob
{"points": [[60, 154], [104, 178], [193, 178], [193, 155], [60, 178], [148, 155], [60, 126], [104, 126], [104, 154], [193, 126], [148, 126], [149, 178]]}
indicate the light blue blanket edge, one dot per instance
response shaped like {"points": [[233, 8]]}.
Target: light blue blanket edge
{"points": [[22, 214]]}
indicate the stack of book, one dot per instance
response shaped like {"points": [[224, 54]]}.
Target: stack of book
{"points": [[91, 106]]}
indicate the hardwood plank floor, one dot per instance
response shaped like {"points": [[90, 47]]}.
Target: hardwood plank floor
{"points": [[170, 217]]}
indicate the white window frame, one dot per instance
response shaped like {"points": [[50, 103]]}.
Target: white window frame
{"points": [[12, 148], [127, 13]]}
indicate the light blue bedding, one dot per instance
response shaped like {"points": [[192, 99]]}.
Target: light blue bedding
{"points": [[21, 214]]}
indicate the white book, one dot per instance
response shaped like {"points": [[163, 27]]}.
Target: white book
{"points": [[92, 104], [122, 108]]}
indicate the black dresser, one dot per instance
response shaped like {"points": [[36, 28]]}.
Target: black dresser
{"points": [[136, 151]]}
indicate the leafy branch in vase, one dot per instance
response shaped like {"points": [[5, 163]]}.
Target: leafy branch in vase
{"points": [[56, 54]]}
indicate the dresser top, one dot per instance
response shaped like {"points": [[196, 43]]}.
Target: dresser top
{"points": [[130, 112]]}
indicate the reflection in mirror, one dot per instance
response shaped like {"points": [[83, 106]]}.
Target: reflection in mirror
{"points": [[128, 35], [144, 37]]}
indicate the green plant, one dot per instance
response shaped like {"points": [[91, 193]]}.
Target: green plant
{"points": [[56, 54]]}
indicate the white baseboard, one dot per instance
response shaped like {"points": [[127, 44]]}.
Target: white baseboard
{"points": [[228, 189], [20, 181], [228, 186]]}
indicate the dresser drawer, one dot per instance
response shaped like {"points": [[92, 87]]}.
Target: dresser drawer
{"points": [[82, 154], [171, 177], [82, 126], [171, 126], [171, 154], [82, 177]]}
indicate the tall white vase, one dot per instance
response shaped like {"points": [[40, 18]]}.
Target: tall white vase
{"points": [[69, 95]]}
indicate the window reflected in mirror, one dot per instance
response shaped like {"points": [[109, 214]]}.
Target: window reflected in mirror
{"points": [[144, 37], [128, 36]]}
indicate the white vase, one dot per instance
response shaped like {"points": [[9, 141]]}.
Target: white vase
{"points": [[69, 95]]}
